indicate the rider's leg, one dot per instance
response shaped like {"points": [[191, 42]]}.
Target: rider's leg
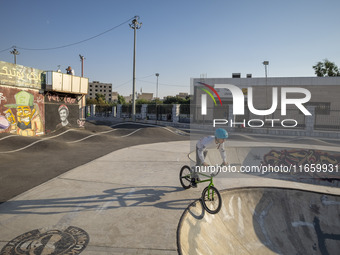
{"points": [[194, 173]]}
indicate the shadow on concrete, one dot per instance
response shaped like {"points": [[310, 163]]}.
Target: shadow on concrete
{"points": [[108, 200]]}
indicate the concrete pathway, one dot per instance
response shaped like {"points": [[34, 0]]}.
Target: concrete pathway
{"points": [[127, 202]]}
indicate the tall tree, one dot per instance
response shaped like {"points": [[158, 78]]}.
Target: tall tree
{"points": [[100, 98], [326, 68], [121, 99]]}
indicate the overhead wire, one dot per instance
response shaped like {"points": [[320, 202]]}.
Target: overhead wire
{"points": [[75, 43], [163, 84], [131, 80], [6, 49]]}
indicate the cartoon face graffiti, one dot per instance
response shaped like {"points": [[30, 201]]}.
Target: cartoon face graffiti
{"points": [[28, 120], [24, 114]]}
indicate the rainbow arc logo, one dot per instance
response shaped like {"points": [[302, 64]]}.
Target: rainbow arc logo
{"points": [[209, 93]]}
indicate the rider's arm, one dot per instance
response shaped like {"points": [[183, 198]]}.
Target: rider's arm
{"points": [[201, 145]]}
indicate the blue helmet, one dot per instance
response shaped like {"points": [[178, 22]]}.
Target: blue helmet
{"points": [[221, 133]]}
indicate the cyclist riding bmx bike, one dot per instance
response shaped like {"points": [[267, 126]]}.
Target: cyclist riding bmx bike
{"points": [[189, 177]]}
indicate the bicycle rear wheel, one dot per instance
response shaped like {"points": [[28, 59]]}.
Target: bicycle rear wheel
{"points": [[211, 200], [185, 177]]}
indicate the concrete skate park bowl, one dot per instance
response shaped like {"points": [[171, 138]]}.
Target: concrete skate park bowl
{"points": [[263, 221]]}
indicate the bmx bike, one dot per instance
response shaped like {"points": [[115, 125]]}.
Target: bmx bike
{"points": [[211, 197]]}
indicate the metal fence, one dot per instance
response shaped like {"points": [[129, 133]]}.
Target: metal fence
{"points": [[184, 113], [327, 120], [159, 112], [103, 111]]}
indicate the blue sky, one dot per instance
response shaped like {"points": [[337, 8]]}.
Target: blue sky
{"points": [[178, 39]]}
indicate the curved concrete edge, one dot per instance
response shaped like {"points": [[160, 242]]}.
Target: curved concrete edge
{"points": [[180, 224], [240, 247]]}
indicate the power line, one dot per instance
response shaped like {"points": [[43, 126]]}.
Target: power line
{"points": [[7, 49], [131, 80], [164, 84], [71, 44], [122, 84], [146, 76]]}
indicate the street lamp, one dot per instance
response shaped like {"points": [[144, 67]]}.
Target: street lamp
{"points": [[15, 53], [82, 65], [157, 75], [134, 25], [265, 63]]}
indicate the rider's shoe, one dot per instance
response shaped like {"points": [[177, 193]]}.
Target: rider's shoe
{"points": [[193, 183]]}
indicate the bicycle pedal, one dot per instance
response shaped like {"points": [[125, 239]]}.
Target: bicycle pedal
{"points": [[193, 185]]}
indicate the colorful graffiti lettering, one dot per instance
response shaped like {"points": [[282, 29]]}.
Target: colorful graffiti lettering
{"points": [[65, 99], [28, 120], [298, 157], [53, 98]]}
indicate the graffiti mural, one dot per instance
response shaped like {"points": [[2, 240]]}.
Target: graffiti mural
{"points": [[21, 76], [21, 112], [304, 162], [62, 111]]}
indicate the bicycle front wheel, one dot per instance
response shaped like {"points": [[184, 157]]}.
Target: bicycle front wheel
{"points": [[211, 200], [185, 177]]}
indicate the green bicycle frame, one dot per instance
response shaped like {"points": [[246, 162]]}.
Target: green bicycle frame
{"points": [[211, 184]]}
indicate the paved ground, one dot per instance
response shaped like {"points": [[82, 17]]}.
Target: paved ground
{"points": [[126, 199], [29, 161]]}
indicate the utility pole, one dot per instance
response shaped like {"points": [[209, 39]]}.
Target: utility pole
{"points": [[15, 53], [134, 25], [82, 65]]}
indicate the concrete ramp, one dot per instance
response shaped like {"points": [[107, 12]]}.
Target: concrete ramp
{"points": [[263, 221]]}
